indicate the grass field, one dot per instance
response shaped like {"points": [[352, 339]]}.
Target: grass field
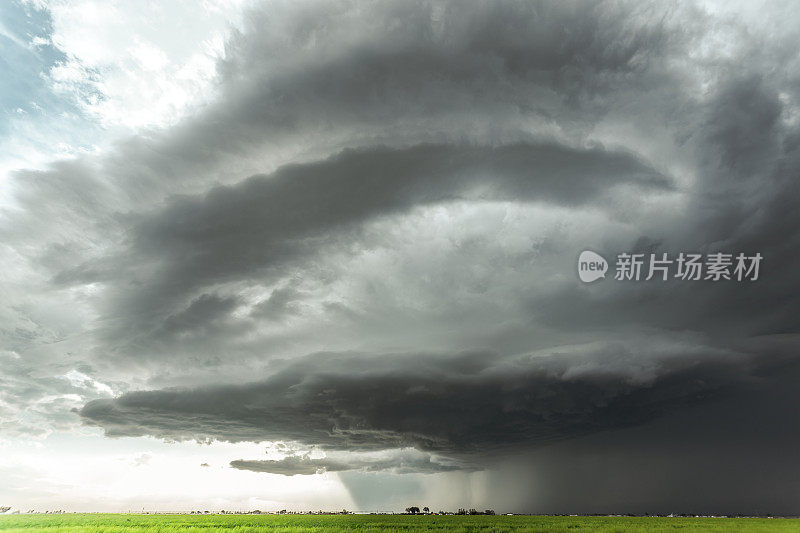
{"points": [[112, 523]]}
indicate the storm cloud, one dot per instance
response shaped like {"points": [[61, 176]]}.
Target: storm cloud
{"points": [[365, 245], [398, 462], [457, 404]]}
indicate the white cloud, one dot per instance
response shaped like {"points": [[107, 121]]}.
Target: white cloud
{"points": [[132, 66], [81, 380]]}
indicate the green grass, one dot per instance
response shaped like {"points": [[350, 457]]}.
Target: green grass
{"points": [[135, 523]]}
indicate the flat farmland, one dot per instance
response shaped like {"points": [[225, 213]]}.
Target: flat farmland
{"points": [[134, 523]]}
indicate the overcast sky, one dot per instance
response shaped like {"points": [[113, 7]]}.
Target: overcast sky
{"points": [[304, 255]]}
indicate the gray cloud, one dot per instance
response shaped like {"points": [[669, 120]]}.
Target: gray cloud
{"points": [[266, 224], [401, 462], [447, 76], [458, 404]]}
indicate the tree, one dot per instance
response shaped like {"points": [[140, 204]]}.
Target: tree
{"points": [[412, 510], [426, 510]]}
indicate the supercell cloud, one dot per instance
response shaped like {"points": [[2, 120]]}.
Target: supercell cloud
{"points": [[365, 244]]}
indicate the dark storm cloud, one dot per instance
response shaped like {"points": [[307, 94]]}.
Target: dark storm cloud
{"points": [[745, 201], [343, 77], [349, 77], [402, 462], [253, 229], [457, 404], [733, 455], [328, 66]]}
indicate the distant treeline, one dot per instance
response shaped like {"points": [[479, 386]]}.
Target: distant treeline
{"points": [[425, 510]]}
